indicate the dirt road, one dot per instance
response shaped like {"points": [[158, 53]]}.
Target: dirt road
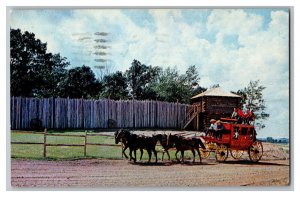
{"points": [[121, 173]]}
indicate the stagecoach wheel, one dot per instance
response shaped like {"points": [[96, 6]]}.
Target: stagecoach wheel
{"points": [[236, 154], [204, 153], [221, 153], [255, 151]]}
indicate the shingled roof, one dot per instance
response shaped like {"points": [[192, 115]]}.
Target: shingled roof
{"points": [[216, 92]]}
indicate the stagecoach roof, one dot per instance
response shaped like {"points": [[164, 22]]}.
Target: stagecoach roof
{"points": [[216, 92]]}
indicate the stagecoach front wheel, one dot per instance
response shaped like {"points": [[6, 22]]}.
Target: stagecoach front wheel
{"points": [[221, 153], [236, 154], [204, 153], [255, 151]]}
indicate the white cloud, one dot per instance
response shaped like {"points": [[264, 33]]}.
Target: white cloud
{"points": [[233, 21]]}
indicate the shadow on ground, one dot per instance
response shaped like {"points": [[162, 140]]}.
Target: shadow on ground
{"points": [[248, 162], [169, 163]]}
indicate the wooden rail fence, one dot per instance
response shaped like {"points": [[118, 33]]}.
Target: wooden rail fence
{"points": [[65, 113], [45, 144]]}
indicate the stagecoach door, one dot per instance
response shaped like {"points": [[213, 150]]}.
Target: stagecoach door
{"points": [[235, 137], [244, 137]]}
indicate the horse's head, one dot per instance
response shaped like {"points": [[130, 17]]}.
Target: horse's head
{"points": [[119, 135], [116, 134]]}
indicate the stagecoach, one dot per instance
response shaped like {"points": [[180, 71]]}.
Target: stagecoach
{"points": [[236, 139]]}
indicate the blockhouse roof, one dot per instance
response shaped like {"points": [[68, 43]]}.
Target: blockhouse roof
{"points": [[216, 92]]}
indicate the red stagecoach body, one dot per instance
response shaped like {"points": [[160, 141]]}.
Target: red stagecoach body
{"points": [[235, 138]]}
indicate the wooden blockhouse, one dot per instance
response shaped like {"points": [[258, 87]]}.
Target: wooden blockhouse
{"points": [[213, 103]]}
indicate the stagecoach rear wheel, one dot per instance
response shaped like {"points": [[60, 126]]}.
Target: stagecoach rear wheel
{"points": [[255, 151], [236, 154], [204, 153], [221, 153]]}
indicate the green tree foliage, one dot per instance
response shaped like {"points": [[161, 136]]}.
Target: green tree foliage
{"points": [[252, 97], [173, 87], [34, 72], [80, 82], [114, 86], [139, 79], [192, 81]]}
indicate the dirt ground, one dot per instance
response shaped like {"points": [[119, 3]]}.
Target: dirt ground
{"points": [[168, 174]]}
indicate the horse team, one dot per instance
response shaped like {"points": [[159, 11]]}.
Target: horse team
{"points": [[142, 142]]}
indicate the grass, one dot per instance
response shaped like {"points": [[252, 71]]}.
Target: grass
{"points": [[28, 151], [69, 153]]}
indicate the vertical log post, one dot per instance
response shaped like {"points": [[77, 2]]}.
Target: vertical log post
{"points": [[85, 141], [197, 116], [45, 141]]}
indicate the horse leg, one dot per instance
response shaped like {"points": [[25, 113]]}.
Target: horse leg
{"points": [[155, 153], [176, 155], [149, 153], [124, 152], [193, 151], [130, 154], [168, 155], [134, 155], [142, 152], [182, 155], [199, 154]]}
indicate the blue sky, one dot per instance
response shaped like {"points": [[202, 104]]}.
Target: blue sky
{"points": [[229, 47]]}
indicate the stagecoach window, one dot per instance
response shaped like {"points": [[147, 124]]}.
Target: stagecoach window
{"points": [[244, 131], [226, 131], [251, 131]]}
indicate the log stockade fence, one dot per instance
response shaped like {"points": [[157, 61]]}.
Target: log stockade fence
{"points": [[65, 113], [85, 137]]}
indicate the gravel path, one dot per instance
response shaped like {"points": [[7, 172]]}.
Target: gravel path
{"points": [[121, 173]]}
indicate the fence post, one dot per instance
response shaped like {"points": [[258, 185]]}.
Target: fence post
{"points": [[85, 141], [45, 140]]}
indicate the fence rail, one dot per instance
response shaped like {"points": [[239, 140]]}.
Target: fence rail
{"points": [[65, 113], [45, 144]]}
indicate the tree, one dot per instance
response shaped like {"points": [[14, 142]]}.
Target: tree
{"points": [[192, 77], [252, 98], [170, 87], [139, 78], [192, 81], [80, 82], [173, 87], [50, 76], [114, 86], [33, 71]]}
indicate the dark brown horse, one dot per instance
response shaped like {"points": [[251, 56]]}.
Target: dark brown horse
{"points": [[130, 140], [183, 144], [148, 143], [135, 142], [123, 140], [163, 140]]}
